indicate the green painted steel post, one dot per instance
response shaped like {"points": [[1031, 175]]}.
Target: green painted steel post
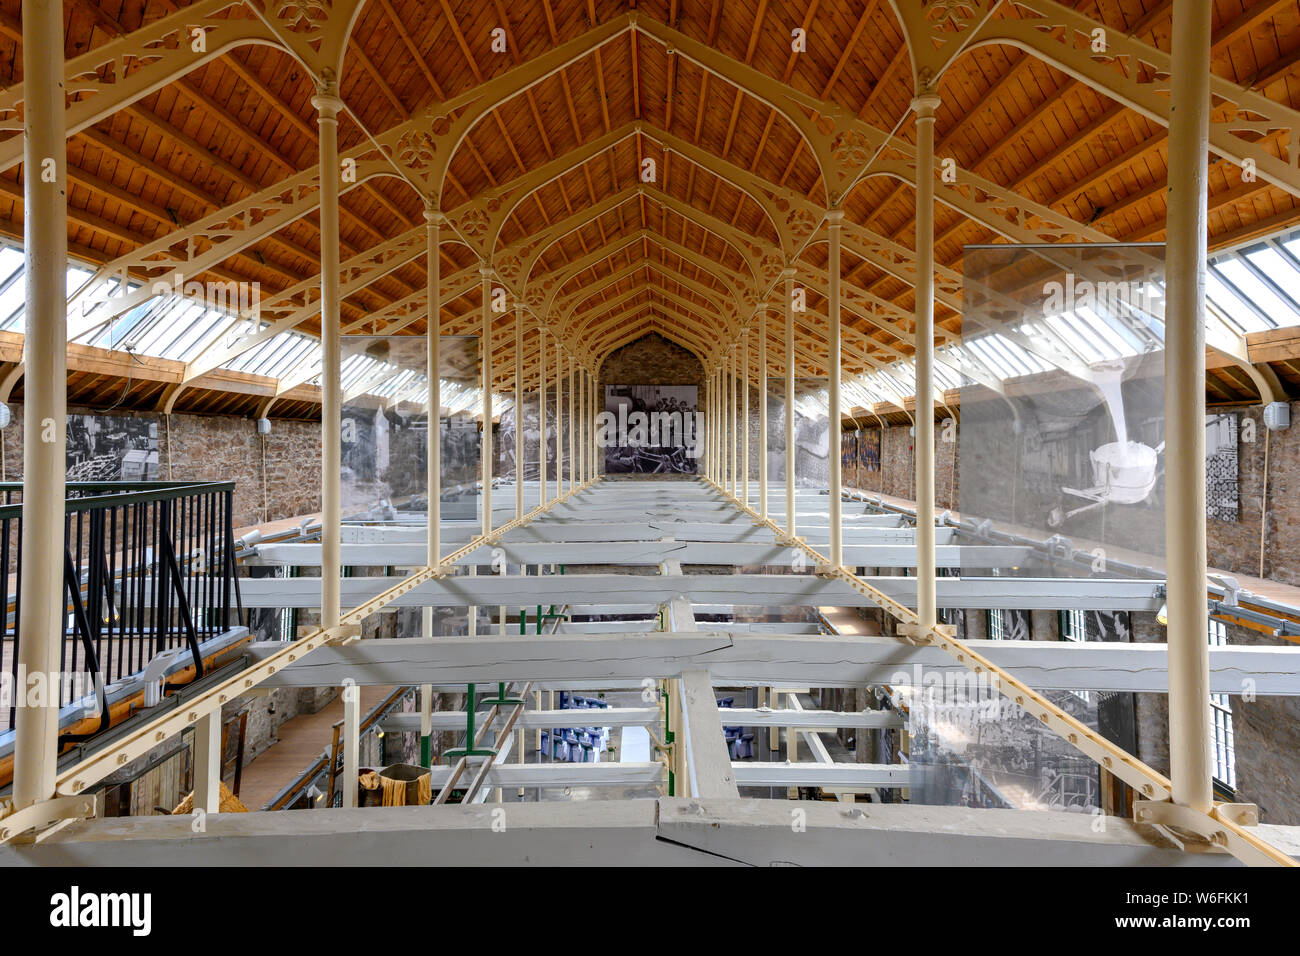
{"points": [[470, 704]]}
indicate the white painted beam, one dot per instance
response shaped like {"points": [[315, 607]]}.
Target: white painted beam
{"points": [[664, 832], [795, 660], [634, 527], [709, 768], [532, 719], [646, 553], [818, 719], [831, 776], [560, 774], [627, 590]]}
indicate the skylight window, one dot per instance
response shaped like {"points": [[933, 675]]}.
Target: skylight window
{"points": [[1258, 295], [1252, 288]]}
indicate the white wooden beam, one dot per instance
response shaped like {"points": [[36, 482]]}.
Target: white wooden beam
{"points": [[818, 719], [647, 553], [532, 719], [794, 660], [831, 776], [627, 590], [709, 767], [667, 832]]}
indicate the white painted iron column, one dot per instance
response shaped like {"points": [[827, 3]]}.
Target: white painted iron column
{"points": [[586, 424], [1190, 761], [328, 104], [519, 410], [715, 426], [762, 413], [719, 429], [541, 417], [711, 410], [715, 430], [45, 384], [433, 334], [735, 423], [923, 344], [485, 360], [719, 440], [790, 524], [728, 403], [573, 429], [584, 438], [559, 419], [834, 220], [744, 419]]}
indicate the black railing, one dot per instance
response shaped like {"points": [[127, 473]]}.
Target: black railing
{"points": [[147, 567]]}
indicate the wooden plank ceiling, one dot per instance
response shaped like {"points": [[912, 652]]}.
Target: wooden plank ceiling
{"points": [[244, 121]]}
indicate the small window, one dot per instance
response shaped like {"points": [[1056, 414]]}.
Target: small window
{"points": [[1225, 759], [997, 623], [1074, 625]]}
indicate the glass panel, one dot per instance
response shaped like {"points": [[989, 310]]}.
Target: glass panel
{"points": [[1276, 311], [1279, 270], [459, 427], [812, 432], [1074, 450], [972, 747], [385, 442], [1230, 302]]}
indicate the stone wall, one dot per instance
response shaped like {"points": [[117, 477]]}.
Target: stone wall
{"points": [[897, 473], [651, 360], [276, 476], [1235, 545], [1267, 742], [1151, 711]]}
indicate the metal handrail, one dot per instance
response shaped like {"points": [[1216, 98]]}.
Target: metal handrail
{"points": [[145, 563], [127, 492]]}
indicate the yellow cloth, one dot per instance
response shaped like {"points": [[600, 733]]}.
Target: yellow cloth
{"points": [[229, 803]]}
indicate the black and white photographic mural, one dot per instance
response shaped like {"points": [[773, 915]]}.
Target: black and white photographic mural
{"points": [[385, 428], [1221, 466], [812, 434], [650, 429], [968, 741], [1077, 448], [112, 448], [812, 429], [461, 373]]}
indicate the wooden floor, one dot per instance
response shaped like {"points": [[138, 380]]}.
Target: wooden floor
{"points": [[301, 741], [847, 620]]}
